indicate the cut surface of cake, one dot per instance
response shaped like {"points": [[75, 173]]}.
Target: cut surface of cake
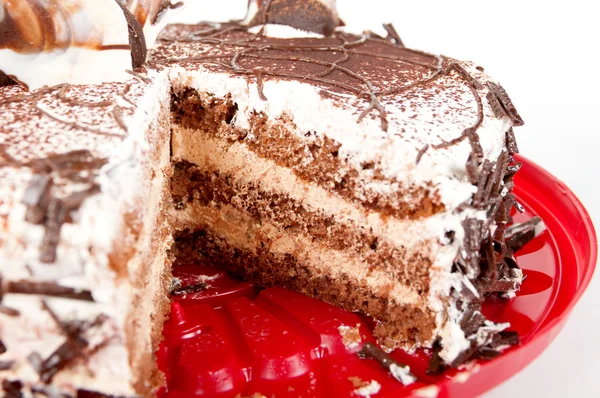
{"points": [[345, 167]]}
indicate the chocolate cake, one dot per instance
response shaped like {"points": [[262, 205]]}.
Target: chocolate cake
{"points": [[281, 148]]}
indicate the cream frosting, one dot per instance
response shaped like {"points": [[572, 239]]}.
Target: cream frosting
{"points": [[83, 256]]}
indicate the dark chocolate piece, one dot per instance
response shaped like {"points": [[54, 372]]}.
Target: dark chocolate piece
{"points": [[495, 104], [2, 347], [393, 34], [47, 289], [507, 104], [307, 15], [82, 393], [519, 235], [61, 357], [55, 218], [5, 80], [12, 388], [436, 363], [511, 142], [137, 40], [9, 311], [6, 365], [399, 371]]}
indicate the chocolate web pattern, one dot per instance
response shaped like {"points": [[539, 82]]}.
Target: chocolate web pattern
{"points": [[61, 93]]}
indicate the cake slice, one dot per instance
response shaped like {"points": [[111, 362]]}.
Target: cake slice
{"points": [[346, 167]]}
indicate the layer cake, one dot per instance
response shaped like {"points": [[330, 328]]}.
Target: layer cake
{"points": [[346, 167]]}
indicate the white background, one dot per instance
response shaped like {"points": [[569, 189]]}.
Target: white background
{"points": [[545, 53]]}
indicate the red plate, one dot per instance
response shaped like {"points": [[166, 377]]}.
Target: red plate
{"points": [[234, 339]]}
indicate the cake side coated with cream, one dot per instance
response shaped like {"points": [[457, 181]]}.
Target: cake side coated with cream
{"points": [[80, 181]]}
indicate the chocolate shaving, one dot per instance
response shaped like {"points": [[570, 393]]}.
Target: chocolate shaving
{"points": [[137, 40], [55, 218], [37, 198], [475, 144], [82, 393], [74, 160], [12, 388], [506, 103], [8, 311], [190, 289], [307, 15], [472, 168], [519, 235], [483, 178], [47, 289], [2, 347], [436, 363], [495, 105], [511, 142], [6, 365], [5, 80], [35, 360], [393, 34], [472, 319], [518, 205], [399, 371], [61, 357], [511, 171], [421, 153]]}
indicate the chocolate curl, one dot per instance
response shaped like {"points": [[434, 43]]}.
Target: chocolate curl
{"points": [[318, 16]]}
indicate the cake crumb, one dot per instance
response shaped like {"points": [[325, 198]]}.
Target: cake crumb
{"points": [[350, 336], [364, 388]]}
